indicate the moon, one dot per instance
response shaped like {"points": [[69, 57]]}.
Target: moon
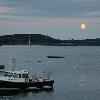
{"points": [[83, 26]]}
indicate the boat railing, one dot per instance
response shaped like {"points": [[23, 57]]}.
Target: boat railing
{"points": [[46, 74]]}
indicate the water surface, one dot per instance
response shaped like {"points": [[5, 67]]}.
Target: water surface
{"points": [[76, 76]]}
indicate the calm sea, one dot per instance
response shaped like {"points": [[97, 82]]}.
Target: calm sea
{"points": [[77, 76]]}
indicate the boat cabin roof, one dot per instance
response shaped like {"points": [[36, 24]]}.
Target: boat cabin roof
{"points": [[18, 72]]}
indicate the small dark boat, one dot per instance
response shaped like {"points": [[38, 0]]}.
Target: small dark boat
{"points": [[2, 68], [55, 57]]}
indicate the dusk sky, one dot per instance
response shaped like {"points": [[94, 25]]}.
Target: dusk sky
{"points": [[60, 19]]}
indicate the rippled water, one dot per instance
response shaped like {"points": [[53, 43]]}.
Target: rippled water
{"points": [[77, 76]]}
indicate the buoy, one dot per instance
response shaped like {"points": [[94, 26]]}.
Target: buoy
{"points": [[26, 79]]}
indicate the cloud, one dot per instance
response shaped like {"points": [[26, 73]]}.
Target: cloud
{"points": [[51, 8], [38, 10], [95, 14], [47, 12], [50, 17], [5, 9]]}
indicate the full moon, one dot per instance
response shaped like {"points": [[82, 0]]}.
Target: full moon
{"points": [[83, 26]]}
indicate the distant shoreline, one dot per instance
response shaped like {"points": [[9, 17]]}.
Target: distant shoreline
{"points": [[38, 39]]}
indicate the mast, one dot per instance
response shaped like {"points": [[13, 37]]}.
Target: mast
{"points": [[29, 40], [14, 66]]}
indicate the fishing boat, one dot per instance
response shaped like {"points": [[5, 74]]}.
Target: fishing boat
{"points": [[2, 68], [14, 79], [20, 79]]}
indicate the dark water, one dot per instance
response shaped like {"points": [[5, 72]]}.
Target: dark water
{"points": [[77, 76]]}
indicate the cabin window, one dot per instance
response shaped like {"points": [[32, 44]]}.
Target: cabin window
{"points": [[6, 74], [10, 75], [19, 75], [15, 75], [24, 75]]}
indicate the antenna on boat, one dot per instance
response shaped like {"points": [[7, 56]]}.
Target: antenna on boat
{"points": [[50, 72], [14, 61], [10, 60]]}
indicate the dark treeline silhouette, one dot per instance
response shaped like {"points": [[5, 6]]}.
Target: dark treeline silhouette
{"points": [[38, 39]]}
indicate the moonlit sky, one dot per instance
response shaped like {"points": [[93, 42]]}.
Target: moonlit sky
{"points": [[60, 19]]}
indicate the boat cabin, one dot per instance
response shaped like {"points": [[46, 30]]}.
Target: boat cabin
{"points": [[16, 74]]}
